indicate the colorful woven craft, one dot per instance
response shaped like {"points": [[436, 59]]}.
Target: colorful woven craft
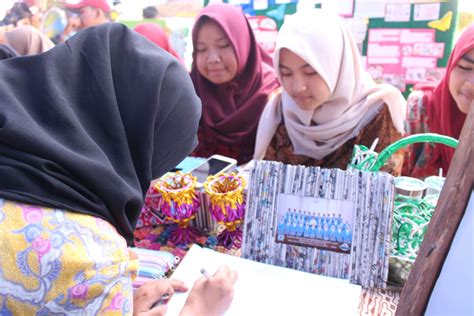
{"points": [[179, 203], [227, 206]]}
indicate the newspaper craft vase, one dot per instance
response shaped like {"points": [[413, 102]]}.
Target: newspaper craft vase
{"points": [[227, 206], [180, 204], [412, 213]]}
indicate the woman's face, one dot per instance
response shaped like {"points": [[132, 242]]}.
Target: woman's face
{"points": [[461, 82], [301, 81], [215, 56]]}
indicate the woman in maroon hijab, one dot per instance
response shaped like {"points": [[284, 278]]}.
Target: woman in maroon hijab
{"points": [[234, 76], [441, 108]]}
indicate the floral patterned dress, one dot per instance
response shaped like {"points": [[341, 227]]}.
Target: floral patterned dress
{"points": [[57, 262]]}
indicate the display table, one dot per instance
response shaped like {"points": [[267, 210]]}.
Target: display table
{"points": [[372, 301]]}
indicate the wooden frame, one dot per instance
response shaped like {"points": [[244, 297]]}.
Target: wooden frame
{"points": [[449, 212]]}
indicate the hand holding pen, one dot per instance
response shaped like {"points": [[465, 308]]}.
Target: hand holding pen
{"points": [[211, 295], [206, 274], [151, 298]]}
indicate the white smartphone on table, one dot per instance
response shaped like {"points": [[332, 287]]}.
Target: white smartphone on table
{"points": [[213, 165]]}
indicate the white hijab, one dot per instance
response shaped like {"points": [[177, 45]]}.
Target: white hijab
{"points": [[327, 45]]}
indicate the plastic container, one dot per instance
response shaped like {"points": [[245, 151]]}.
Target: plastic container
{"points": [[434, 185], [410, 187]]}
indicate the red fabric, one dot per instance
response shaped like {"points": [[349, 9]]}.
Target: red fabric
{"points": [[157, 35], [231, 111], [444, 115]]}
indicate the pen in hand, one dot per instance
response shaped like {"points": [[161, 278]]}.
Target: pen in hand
{"points": [[163, 300], [206, 274]]}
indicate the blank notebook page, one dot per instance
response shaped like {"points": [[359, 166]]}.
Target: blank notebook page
{"points": [[263, 289]]}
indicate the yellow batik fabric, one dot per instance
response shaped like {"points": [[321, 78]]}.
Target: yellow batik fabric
{"points": [[58, 262]]}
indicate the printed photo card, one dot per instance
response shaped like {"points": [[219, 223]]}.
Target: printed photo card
{"points": [[329, 222]]}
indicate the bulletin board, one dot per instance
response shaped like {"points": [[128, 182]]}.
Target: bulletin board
{"points": [[274, 9], [402, 42], [411, 42]]}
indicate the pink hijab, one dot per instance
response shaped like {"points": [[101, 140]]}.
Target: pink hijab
{"points": [[28, 40], [444, 115], [155, 33], [231, 111]]}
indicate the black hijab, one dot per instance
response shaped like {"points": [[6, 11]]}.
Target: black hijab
{"points": [[87, 125], [7, 51]]}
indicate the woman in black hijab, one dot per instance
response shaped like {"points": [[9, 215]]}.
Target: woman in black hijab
{"points": [[84, 128], [7, 51]]}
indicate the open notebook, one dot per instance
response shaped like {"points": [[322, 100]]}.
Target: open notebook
{"points": [[263, 289]]}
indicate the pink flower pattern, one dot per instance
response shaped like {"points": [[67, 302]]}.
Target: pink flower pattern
{"points": [[41, 228], [42, 246], [117, 302], [79, 291], [32, 214]]}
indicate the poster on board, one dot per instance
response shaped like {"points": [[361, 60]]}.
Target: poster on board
{"points": [[399, 56]]}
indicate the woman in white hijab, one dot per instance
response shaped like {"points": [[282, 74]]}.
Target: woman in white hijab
{"points": [[329, 103]]}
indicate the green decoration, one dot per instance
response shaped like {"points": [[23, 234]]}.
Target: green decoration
{"points": [[411, 215], [368, 160]]}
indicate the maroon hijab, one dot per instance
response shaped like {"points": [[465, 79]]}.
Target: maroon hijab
{"points": [[231, 111], [444, 115]]}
